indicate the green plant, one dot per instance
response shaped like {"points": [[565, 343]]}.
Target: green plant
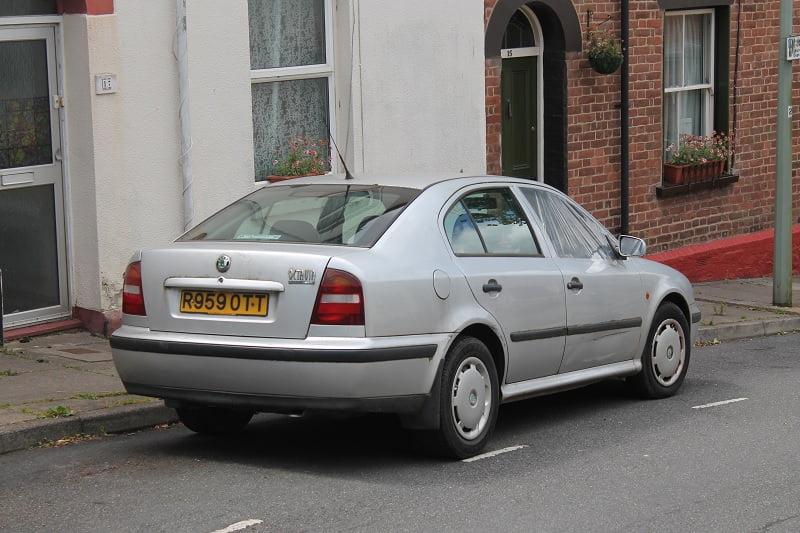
{"points": [[602, 44], [85, 396], [9, 373], [719, 309], [696, 149], [59, 411], [304, 157]]}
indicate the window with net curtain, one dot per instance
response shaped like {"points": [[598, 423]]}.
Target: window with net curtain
{"points": [[287, 33], [688, 75]]}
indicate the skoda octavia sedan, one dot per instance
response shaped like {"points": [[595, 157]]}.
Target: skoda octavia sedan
{"points": [[435, 299]]}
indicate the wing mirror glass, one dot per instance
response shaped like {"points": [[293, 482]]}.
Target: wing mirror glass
{"points": [[631, 246]]}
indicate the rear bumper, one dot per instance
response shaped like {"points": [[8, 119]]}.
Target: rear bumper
{"points": [[388, 374]]}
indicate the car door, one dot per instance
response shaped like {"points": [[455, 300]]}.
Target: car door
{"points": [[605, 298], [501, 259]]}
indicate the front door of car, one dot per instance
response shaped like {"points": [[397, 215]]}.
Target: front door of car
{"points": [[605, 299], [510, 278]]}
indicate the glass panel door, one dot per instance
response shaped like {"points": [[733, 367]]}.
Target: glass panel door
{"points": [[32, 244]]}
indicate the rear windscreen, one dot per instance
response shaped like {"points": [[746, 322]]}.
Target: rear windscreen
{"points": [[354, 215]]}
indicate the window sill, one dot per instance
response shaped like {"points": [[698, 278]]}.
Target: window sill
{"points": [[668, 190]]}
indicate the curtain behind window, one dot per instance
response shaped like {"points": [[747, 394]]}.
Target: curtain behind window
{"points": [[687, 76], [286, 33]]}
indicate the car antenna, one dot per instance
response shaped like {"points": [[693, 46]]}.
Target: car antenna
{"points": [[347, 174]]}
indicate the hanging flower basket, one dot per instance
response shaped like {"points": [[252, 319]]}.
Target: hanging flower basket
{"points": [[604, 53], [605, 64]]}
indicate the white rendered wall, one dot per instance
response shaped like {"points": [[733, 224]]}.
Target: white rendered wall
{"points": [[422, 86], [124, 148], [409, 95]]}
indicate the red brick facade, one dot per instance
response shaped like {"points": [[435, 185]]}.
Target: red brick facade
{"points": [[593, 128]]}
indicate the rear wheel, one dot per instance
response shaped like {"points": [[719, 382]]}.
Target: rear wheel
{"points": [[213, 420], [470, 398], [665, 358]]}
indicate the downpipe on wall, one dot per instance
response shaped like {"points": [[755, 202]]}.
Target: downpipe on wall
{"points": [[185, 161], [624, 121]]}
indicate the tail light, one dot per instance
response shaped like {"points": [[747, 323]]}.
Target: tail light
{"points": [[340, 300], [132, 295]]}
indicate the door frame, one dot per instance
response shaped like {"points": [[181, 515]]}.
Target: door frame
{"points": [[537, 52], [61, 190]]}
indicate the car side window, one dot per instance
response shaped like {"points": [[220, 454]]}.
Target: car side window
{"points": [[489, 222], [573, 232]]}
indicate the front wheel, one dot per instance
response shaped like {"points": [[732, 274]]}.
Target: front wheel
{"points": [[665, 358], [470, 399], [213, 420]]}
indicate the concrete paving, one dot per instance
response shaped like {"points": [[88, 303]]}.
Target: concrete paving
{"points": [[64, 385]]}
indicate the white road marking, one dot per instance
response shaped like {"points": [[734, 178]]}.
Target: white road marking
{"points": [[487, 455], [238, 526], [715, 404]]}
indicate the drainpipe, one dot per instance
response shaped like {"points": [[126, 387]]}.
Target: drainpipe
{"points": [[185, 161], [624, 120]]}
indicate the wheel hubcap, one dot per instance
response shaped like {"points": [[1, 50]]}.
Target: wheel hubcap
{"points": [[472, 398], [669, 352]]}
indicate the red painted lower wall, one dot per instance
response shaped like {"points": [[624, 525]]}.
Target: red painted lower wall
{"points": [[746, 256], [89, 7]]}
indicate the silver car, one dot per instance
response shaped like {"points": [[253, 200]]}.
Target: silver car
{"points": [[436, 299]]}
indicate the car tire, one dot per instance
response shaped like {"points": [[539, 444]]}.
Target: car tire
{"points": [[665, 358], [213, 420], [469, 400]]}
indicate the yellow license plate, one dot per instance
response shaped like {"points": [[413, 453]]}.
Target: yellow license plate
{"points": [[224, 303]]}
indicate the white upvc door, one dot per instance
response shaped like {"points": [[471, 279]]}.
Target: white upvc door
{"points": [[33, 254]]}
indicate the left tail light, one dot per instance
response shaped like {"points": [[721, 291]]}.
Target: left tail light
{"points": [[132, 294]]}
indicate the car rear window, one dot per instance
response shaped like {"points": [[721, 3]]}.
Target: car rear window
{"points": [[350, 215]]}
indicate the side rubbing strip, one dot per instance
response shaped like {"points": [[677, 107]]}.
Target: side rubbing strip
{"points": [[605, 326], [519, 336], [695, 318], [536, 335]]}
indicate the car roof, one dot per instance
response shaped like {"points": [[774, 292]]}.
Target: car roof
{"points": [[413, 181]]}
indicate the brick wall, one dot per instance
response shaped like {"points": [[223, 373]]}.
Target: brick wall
{"points": [[593, 138]]}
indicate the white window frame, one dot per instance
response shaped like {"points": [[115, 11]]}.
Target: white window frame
{"points": [[707, 120], [305, 72]]}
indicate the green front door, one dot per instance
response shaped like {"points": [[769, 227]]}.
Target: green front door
{"points": [[518, 93]]}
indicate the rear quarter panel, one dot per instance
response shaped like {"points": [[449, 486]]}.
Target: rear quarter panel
{"points": [[397, 274]]}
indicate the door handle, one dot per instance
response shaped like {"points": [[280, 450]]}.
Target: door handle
{"points": [[492, 286], [575, 284], [508, 109]]}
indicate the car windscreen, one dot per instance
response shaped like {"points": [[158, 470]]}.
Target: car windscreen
{"points": [[350, 215]]}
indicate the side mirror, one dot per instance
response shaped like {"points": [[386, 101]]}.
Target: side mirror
{"points": [[631, 246]]}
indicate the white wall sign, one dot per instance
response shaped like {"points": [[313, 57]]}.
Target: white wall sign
{"points": [[793, 47], [105, 83]]}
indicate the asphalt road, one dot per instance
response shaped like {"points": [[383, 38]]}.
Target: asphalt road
{"points": [[590, 460]]}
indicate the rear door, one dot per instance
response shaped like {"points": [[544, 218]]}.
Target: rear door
{"points": [[605, 299], [500, 257]]}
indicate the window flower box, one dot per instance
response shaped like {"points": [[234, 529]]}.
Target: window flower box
{"points": [[681, 174]]}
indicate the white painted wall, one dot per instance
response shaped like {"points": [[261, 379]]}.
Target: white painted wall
{"points": [[125, 177], [422, 82], [410, 97]]}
